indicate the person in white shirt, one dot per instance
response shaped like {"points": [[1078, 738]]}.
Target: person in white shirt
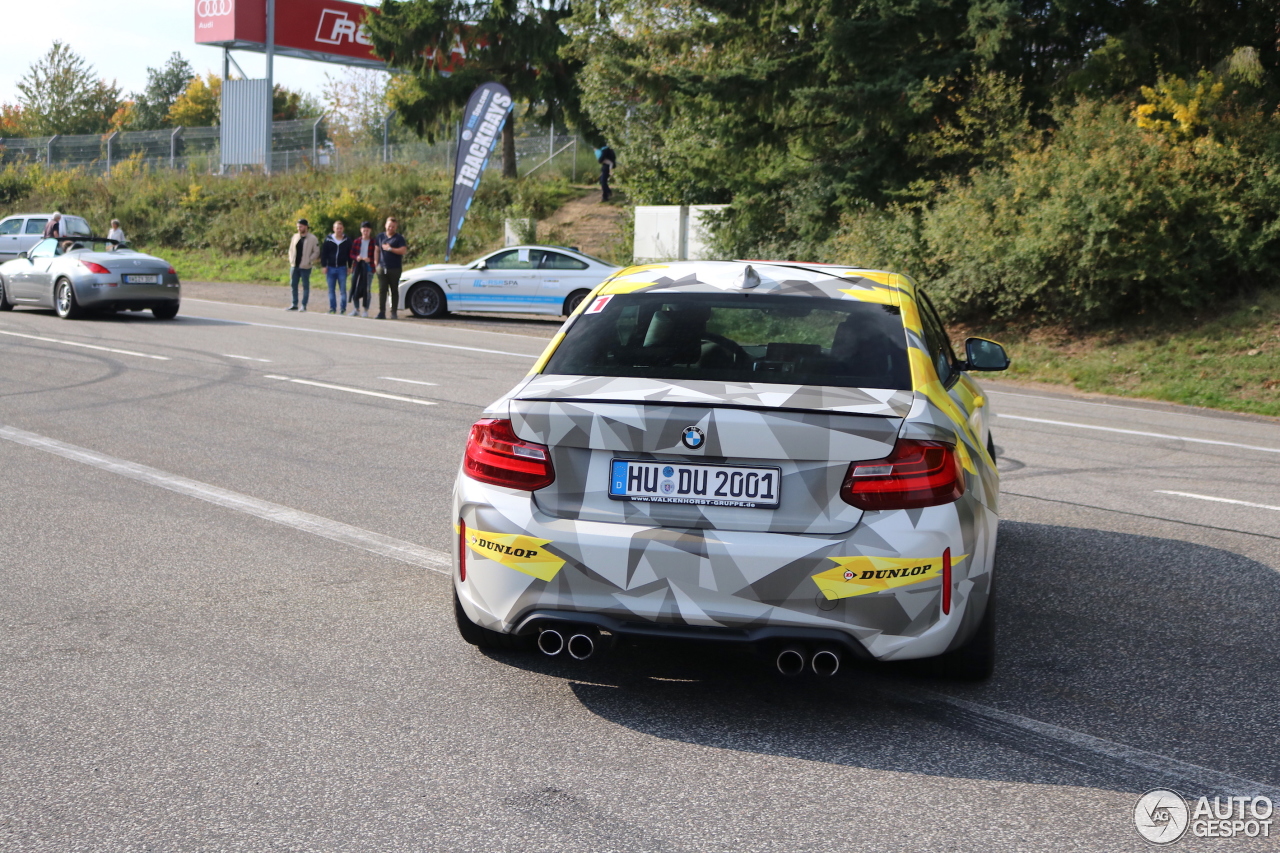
{"points": [[116, 233]]}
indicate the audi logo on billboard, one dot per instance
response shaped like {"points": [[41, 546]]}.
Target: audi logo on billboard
{"points": [[214, 8]]}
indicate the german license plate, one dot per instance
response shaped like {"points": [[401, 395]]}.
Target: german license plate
{"points": [[695, 483], [140, 279]]}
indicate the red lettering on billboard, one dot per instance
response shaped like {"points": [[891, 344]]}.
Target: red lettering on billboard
{"points": [[320, 28]]}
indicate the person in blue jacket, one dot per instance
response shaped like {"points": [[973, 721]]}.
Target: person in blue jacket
{"points": [[335, 257]]}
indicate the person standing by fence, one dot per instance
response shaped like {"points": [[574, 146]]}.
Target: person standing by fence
{"points": [[304, 252], [392, 248], [335, 257], [607, 160], [364, 259], [116, 233]]}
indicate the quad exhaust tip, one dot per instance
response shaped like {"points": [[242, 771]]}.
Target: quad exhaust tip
{"points": [[581, 646], [791, 661], [550, 642], [825, 662]]}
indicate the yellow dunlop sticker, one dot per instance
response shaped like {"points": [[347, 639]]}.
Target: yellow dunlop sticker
{"points": [[516, 551], [863, 575]]}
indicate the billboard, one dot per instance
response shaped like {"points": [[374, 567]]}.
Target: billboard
{"points": [[326, 30]]}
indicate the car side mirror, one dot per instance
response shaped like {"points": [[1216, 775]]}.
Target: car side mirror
{"points": [[982, 354], [22, 255], [481, 265]]}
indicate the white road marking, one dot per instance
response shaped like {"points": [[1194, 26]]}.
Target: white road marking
{"points": [[350, 390], [991, 719], [1132, 407], [86, 346], [246, 357], [1217, 500], [410, 381], [1139, 432], [366, 337], [356, 537], [487, 332]]}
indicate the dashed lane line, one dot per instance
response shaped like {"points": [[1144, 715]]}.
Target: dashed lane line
{"points": [[366, 540], [366, 337], [410, 381], [1004, 417], [995, 723], [85, 346], [351, 390], [246, 357], [1217, 500]]}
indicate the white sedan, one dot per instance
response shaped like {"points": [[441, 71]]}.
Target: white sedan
{"points": [[525, 279]]}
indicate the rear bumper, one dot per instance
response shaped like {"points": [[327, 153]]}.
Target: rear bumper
{"points": [[524, 567], [102, 295]]}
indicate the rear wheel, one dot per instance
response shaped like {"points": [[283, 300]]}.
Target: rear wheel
{"points": [[167, 312], [976, 659], [483, 637], [5, 304], [575, 299], [426, 300], [64, 300]]}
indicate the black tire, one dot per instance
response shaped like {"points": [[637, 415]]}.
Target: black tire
{"points": [[5, 304], [64, 300], [991, 445], [483, 637], [976, 659], [574, 300], [427, 301], [168, 312]]}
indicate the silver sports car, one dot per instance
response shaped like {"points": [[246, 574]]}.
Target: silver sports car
{"points": [[74, 277]]}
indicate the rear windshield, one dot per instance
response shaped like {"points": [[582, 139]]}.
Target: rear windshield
{"points": [[785, 340]]}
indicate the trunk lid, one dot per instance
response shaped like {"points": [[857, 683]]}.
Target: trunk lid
{"points": [[809, 433]]}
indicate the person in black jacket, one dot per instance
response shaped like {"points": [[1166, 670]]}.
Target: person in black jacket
{"points": [[364, 259], [335, 257], [608, 161]]}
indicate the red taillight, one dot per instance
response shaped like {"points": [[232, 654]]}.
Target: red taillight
{"points": [[495, 454], [96, 269], [917, 474], [946, 581], [172, 271], [462, 550]]}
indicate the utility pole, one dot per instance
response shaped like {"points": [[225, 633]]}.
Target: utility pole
{"points": [[271, 88]]}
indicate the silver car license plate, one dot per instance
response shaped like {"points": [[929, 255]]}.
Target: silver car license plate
{"points": [[140, 279], [695, 483]]}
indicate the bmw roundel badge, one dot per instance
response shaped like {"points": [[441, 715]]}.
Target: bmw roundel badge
{"points": [[693, 438]]}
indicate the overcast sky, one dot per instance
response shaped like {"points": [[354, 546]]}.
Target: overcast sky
{"points": [[121, 38]]}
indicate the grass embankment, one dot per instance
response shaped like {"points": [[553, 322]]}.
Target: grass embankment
{"points": [[1228, 360], [237, 227]]}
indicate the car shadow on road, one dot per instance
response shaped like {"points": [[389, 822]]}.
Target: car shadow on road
{"points": [[1157, 644]]}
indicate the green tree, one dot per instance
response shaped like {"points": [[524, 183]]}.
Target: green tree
{"points": [[61, 93], [517, 44], [200, 104], [798, 111], [164, 86]]}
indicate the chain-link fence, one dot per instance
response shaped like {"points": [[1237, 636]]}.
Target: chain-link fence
{"points": [[302, 144]]}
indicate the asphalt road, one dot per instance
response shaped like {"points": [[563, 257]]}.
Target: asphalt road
{"points": [[224, 625]]}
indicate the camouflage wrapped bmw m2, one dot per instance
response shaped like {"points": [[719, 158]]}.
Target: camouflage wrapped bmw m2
{"points": [[787, 455]]}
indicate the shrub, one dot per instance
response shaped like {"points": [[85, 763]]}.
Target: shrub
{"points": [[1103, 221]]}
